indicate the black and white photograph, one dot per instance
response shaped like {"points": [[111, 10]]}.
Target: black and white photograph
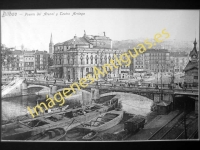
{"points": [[99, 75]]}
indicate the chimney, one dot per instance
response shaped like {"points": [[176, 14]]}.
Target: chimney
{"points": [[104, 33], [84, 33]]}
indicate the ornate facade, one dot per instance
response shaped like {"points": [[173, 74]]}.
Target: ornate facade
{"points": [[75, 58]]}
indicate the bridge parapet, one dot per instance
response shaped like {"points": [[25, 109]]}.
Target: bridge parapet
{"points": [[116, 88]]}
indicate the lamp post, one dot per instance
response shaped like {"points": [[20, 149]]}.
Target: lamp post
{"points": [[172, 77], [82, 62], [161, 83], [117, 66], [157, 73]]}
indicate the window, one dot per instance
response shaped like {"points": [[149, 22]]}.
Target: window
{"points": [[91, 57], [105, 58], [87, 69], [96, 59], [101, 59], [195, 77], [68, 59], [81, 59], [109, 58], [87, 59]]}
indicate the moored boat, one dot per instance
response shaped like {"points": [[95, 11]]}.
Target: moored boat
{"points": [[68, 119], [104, 121], [90, 136], [54, 134]]}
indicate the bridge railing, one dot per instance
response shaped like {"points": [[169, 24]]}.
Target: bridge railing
{"points": [[124, 87]]}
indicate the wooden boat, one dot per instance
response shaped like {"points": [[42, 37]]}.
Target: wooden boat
{"points": [[55, 134], [104, 121], [77, 133], [90, 136], [68, 119]]}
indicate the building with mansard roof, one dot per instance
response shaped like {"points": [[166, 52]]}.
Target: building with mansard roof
{"points": [[179, 60], [75, 58]]}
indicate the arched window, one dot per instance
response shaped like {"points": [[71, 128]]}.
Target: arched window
{"points": [[81, 58], [109, 58], [91, 57], [87, 70], [101, 59], [73, 58], [95, 59], [68, 59], [87, 59], [105, 58]]}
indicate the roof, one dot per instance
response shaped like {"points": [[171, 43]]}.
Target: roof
{"points": [[40, 52], [17, 52], [156, 51], [178, 54], [80, 41], [97, 37], [76, 41], [194, 51], [164, 103], [191, 65]]}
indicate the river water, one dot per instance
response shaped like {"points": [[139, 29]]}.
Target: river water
{"points": [[16, 106]]}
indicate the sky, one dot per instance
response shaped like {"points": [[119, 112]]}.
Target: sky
{"points": [[33, 31]]}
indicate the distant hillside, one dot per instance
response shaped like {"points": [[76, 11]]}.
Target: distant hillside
{"points": [[171, 45]]}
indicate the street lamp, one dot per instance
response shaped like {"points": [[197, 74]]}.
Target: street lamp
{"points": [[172, 77], [161, 82], [157, 73], [82, 54]]}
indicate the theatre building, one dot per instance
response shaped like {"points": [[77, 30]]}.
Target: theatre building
{"points": [[75, 58]]}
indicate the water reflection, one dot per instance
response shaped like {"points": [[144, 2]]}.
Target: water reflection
{"points": [[16, 106], [132, 103]]}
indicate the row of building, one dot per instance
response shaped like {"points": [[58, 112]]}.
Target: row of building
{"points": [[76, 57], [26, 61]]}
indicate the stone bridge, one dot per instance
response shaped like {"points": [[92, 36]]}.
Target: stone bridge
{"points": [[149, 92]]}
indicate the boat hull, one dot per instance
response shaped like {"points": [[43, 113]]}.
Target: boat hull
{"points": [[108, 124]]}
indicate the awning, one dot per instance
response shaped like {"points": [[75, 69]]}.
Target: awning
{"points": [[55, 66], [140, 70], [10, 72], [41, 71]]}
